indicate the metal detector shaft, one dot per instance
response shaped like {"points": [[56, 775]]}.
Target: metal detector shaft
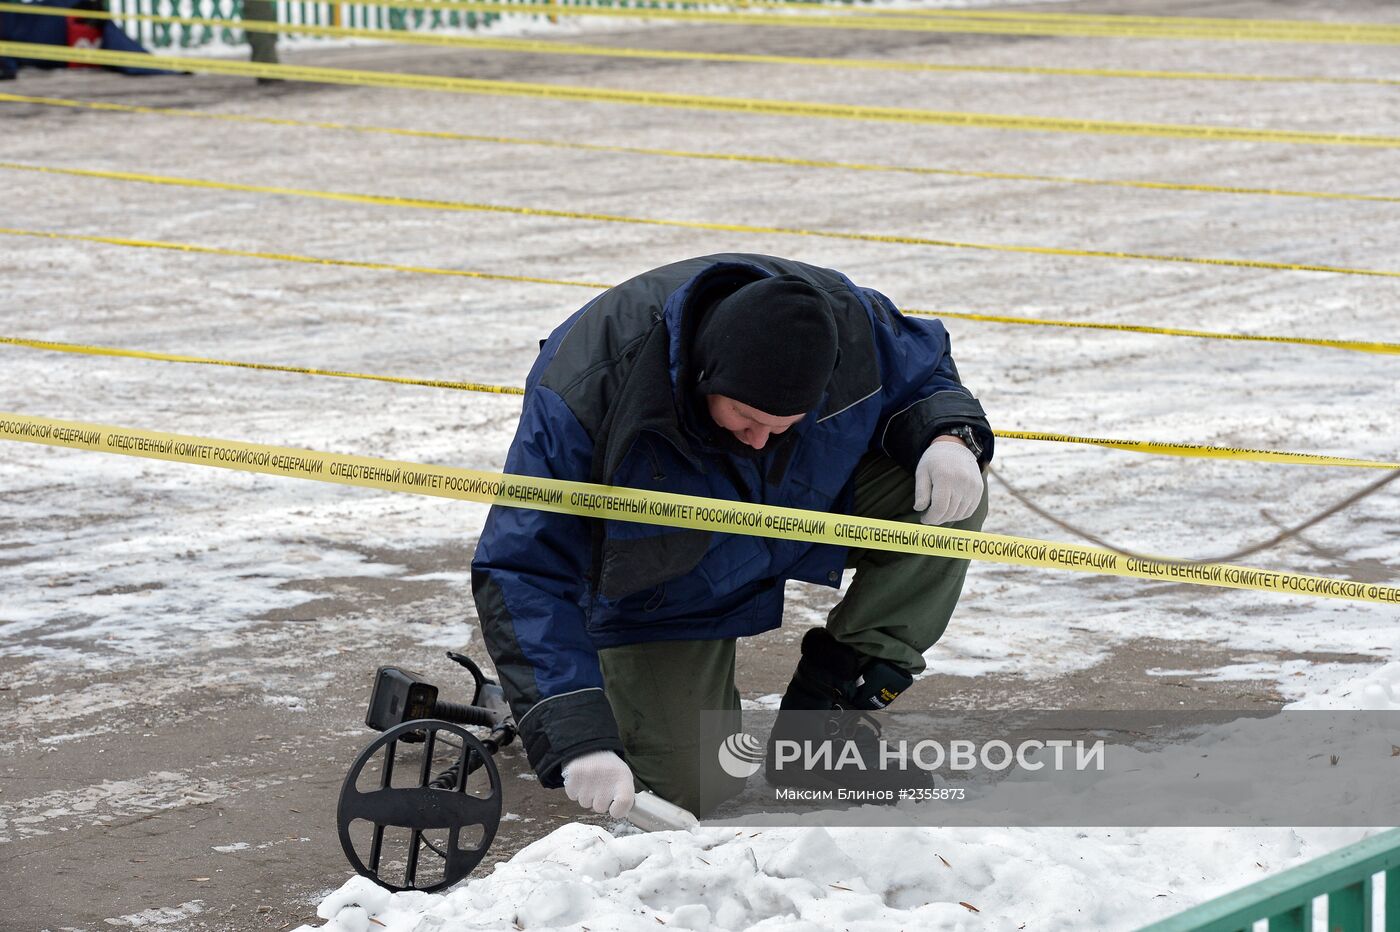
{"points": [[651, 813]]}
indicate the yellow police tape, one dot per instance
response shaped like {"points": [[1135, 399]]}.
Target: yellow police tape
{"points": [[1359, 346], [290, 257], [1193, 450], [115, 351], [1223, 24], [592, 217], [754, 106], [554, 47], [1341, 33], [661, 508], [742, 157], [1200, 451]]}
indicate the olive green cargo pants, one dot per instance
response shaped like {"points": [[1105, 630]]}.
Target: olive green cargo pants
{"points": [[897, 606]]}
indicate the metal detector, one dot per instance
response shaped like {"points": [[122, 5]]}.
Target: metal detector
{"points": [[421, 805]]}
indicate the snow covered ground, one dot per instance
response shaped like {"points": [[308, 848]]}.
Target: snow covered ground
{"points": [[806, 880], [800, 879], [127, 578]]}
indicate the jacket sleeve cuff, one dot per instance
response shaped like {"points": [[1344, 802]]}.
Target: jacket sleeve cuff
{"points": [[908, 433], [560, 728]]}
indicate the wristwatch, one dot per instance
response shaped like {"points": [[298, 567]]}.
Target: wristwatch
{"points": [[967, 435]]}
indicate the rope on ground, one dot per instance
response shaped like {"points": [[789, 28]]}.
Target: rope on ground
{"points": [[1285, 535], [1141, 446], [752, 106], [741, 157], [594, 217], [655, 508]]}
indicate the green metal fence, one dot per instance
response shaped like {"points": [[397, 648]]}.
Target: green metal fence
{"points": [[1345, 880], [171, 36]]}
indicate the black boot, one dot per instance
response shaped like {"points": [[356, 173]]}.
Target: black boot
{"points": [[829, 702]]}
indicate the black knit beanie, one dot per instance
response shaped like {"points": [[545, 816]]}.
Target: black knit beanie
{"points": [[770, 345]]}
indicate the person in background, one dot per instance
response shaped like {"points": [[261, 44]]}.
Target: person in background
{"points": [[263, 44]]}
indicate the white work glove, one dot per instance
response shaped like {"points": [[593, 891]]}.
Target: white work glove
{"points": [[600, 781], [947, 483]]}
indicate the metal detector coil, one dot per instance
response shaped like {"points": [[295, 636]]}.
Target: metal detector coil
{"points": [[446, 812], [434, 811]]}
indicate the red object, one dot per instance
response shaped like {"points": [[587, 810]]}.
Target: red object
{"points": [[82, 34]]}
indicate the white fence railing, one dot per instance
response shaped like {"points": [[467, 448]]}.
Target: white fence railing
{"points": [[173, 36]]}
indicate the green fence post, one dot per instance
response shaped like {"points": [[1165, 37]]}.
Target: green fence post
{"points": [[1346, 910], [162, 34], [1392, 898], [228, 35], [1298, 919]]}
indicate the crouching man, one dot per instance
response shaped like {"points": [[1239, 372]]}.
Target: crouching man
{"points": [[742, 377]]}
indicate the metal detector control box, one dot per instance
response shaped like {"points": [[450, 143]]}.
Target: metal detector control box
{"points": [[399, 696]]}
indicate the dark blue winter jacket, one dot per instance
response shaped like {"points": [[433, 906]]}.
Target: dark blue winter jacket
{"points": [[53, 30], [607, 402]]}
